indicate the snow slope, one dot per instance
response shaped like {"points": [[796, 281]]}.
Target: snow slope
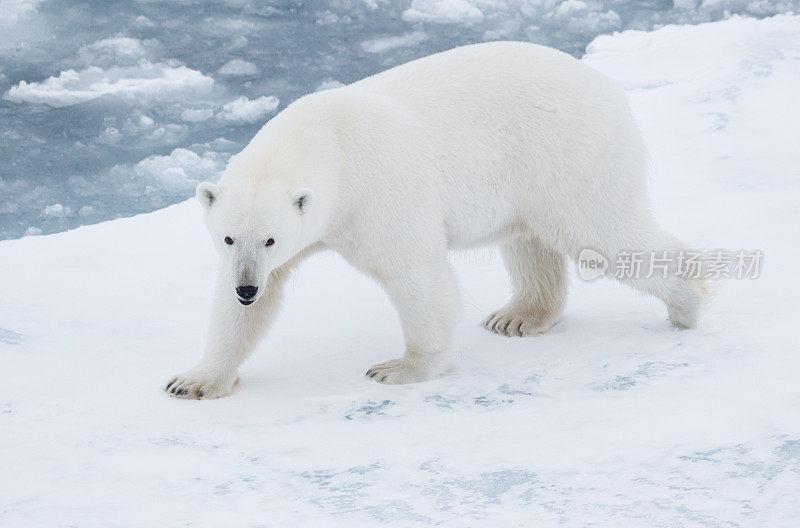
{"points": [[612, 419]]}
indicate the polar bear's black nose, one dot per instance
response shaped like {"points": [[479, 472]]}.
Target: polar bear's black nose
{"points": [[246, 293]]}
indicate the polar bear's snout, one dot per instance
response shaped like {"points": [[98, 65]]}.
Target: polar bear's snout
{"points": [[248, 268], [246, 294]]}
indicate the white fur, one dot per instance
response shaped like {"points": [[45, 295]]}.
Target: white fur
{"points": [[501, 143]]}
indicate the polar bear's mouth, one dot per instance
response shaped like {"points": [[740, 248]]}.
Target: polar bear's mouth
{"points": [[245, 301]]}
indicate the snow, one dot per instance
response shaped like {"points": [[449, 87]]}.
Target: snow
{"points": [[611, 419]]}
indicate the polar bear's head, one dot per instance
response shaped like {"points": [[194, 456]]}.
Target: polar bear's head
{"points": [[255, 230]]}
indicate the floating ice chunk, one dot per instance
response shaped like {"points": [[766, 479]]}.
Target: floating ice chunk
{"points": [[443, 12], [328, 84], [117, 51], [244, 110], [145, 121], [144, 80], [86, 210], [238, 67], [168, 134], [571, 6], [110, 136], [180, 170], [142, 22], [220, 144], [383, 44], [56, 211], [133, 125]]}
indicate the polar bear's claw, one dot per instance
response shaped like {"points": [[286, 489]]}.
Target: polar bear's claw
{"points": [[513, 324], [399, 371], [193, 387]]}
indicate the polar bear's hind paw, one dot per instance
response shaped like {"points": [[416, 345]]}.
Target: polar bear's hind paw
{"points": [[514, 323]]}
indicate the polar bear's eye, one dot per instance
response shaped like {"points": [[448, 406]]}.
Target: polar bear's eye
{"points": [[229, 241], [270, 241]]}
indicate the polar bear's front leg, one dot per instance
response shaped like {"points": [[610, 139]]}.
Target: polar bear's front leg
{"points": [[427, 301], [234, 331]]}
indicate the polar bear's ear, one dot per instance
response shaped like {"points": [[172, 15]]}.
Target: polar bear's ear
{"points": [[301, 198], [207, 193]]}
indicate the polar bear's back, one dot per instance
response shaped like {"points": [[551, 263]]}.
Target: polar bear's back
{"points": [[476, 62], [496, 76], [512, 98], [514, 127]]}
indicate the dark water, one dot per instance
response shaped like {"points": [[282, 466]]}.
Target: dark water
{"points": [[136, 114]]}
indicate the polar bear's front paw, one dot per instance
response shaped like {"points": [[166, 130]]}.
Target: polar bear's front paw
{"points": [[514, 323], [192, 386], [398, 371]]}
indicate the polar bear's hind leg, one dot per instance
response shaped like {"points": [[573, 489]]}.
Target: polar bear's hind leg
{"points": [[539, 283], [659, 271]]}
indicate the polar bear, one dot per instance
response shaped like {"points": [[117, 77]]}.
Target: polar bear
{"points": [[503, 143]]}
